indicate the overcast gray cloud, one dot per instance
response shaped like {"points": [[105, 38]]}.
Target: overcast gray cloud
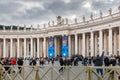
{"points": [[35, 12]]}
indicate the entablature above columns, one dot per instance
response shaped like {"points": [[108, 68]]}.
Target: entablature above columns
{"points": [[69, 29]]}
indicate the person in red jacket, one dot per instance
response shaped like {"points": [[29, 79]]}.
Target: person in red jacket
{"points": [[13, 61]]}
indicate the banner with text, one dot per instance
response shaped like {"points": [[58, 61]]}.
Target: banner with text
{"points": [[65, 46], [51, 53]]}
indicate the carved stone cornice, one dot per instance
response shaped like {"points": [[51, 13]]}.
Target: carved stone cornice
{"points": [[66, 27]]}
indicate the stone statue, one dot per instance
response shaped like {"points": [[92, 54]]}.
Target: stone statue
{"points": [[49, 23], [101, 14], [75, 20], [38, 26], [18, 27], [119, 8], [59, 20], [31, 27], [24, 27], [3, 27], [44, 25], [62, 21], [66, 20], [91, 16], [53, 23], [110, 11], [83, 18], [11, 27]]}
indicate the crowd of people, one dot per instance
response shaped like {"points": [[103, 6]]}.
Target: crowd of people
{"points": [[7, 62], [99, 60]]}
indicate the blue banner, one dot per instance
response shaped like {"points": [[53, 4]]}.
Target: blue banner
{"points": [[51, 53], [65, 46]]}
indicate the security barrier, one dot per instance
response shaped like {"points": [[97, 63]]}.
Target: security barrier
{"points": [[54, 73]]}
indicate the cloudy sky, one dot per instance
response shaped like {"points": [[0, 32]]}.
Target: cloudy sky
{"points": [[19, 12]]}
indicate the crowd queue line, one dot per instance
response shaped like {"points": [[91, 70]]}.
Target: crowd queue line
{"points": [[99, 60]]}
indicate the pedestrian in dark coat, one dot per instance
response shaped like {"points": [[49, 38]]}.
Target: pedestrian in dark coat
{"points": [[75, 61], [106, 61], [34, 62], [98, 61], [7, 65], [20, 64], [61, 64], [112, 61], [52, 62], [85, 61], [69, 62]]}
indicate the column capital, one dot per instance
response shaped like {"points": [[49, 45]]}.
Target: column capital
{"points": [[76, 34], [50, 36], [64, 34], [100, 30], [38, 37]]}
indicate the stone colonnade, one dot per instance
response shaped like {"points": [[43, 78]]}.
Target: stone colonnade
{"points": [[89, 43]]}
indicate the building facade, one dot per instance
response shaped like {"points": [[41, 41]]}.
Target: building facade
{"points": [[86, 38]]}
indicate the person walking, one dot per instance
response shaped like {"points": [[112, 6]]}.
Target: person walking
{"points": [[112, 62], [20, 64], [98, 61], [61, 64], [7, 65], [52, 61], [13, 63], [34, 61]]}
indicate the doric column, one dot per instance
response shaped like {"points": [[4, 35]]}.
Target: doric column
{"points": [[24, 47], [4, 47], [76, 44], [47, 47], [83, 44], [79, 45], [96, 44], [44, 47], [41, 48], [34, 51], [18, 47], [55, 45], [87, 45], [38, 48], [11, 47], [115, 39], [100, 42], [69, 44], [105, 43], [0, 50], [27, 47], [119, 39], [92, 43], [110, 41], [31, 47]]}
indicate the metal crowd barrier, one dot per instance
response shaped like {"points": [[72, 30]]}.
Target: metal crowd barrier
{"points": [[52, 73]]}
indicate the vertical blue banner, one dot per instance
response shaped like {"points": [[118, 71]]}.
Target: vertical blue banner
{"points": [[51, 47], [65, 46]]}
